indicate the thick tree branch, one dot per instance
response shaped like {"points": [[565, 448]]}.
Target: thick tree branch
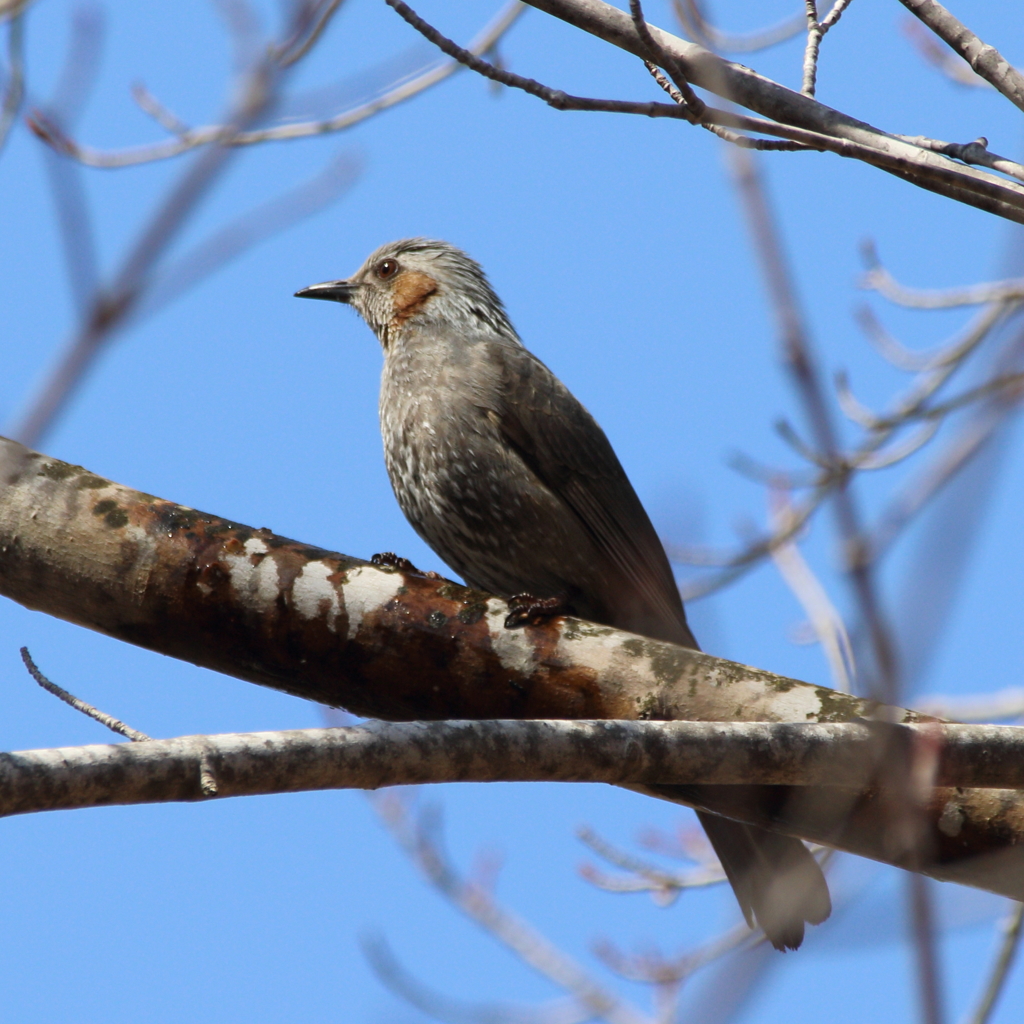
{"points": [[400, 646]]}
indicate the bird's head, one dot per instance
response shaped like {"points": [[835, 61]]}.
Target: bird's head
{"points": [[416, 283]]}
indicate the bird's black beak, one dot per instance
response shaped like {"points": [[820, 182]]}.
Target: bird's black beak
{"points": [[336, 291]]}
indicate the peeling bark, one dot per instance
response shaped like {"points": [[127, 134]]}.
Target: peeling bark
{"points": [[399, 646]]}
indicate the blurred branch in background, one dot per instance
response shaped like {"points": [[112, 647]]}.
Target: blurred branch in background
{"points": [[700, 30], [144, 281], [420, 838], [955, 68], [187, 138], [1011, 928], [12, 77]]}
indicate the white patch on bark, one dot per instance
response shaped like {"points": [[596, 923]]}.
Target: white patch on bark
{"points": [[599, 652], [365, 591], [255, 581], [314, 595], [514, 650]]}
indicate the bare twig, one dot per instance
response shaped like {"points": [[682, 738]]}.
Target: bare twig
{"points": [[822, 614], [685, 96], [700, 30], [888, 156], [512, 931], [114, 724], [656, 970], [553, 97], [193, 138], [250, 229], [975, 152], [955, 68], [386, 966], [922, 916], [979, 707], [723, 133], [878, 278], [14, 86], [78, 77], [1011, 928], [816, 31], [665, 886], [293, 50], [150, 105], [800, 363]]}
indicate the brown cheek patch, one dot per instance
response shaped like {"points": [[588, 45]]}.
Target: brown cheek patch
{"points": [[412, 289]]}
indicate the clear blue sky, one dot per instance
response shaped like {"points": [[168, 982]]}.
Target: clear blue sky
{"points": [[618, 246]]}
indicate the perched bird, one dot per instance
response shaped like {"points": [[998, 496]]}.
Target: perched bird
{"points": [[512, 482]]}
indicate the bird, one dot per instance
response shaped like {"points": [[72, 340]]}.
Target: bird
{"points": [[511, 481]]}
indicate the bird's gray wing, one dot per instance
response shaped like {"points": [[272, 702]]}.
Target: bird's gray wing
{"points": [[775, 878], [568, 452]]}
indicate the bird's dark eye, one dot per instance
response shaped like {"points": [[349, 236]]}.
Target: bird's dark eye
{"points": [[386, 269]]}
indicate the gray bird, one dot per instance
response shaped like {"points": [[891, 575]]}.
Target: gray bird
{"points": [[512, 482]]}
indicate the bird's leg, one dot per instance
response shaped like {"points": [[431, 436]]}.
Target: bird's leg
{"points": [[525, 609], [389, 560]]}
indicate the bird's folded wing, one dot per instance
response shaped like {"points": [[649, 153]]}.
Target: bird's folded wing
{"points": [[568, 452]]}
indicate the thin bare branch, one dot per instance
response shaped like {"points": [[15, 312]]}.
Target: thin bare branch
{"points": [[816, 31], [293, 50], [891, 349], [687, 98], [828, 625], [977, 707], [975, 152], [1011, 929], [955, 68], [78, 77], [908, 502], [879, 279], [249, 229], [883, 458], [700, 30], [387, 968], [664, 886], [194, 138], [114, 724], [516, 934], [652, 969], [14, 85], [799, 361], [922, 916], [150, 105]]}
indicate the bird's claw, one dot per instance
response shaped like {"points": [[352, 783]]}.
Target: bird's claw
{"points": [[389, 560], [525, 609]]}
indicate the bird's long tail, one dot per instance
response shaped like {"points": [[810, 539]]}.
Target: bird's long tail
{"points": [[777, 881]]}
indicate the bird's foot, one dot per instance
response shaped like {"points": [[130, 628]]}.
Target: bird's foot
{"points": [[389, 560], [525, 609]]}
